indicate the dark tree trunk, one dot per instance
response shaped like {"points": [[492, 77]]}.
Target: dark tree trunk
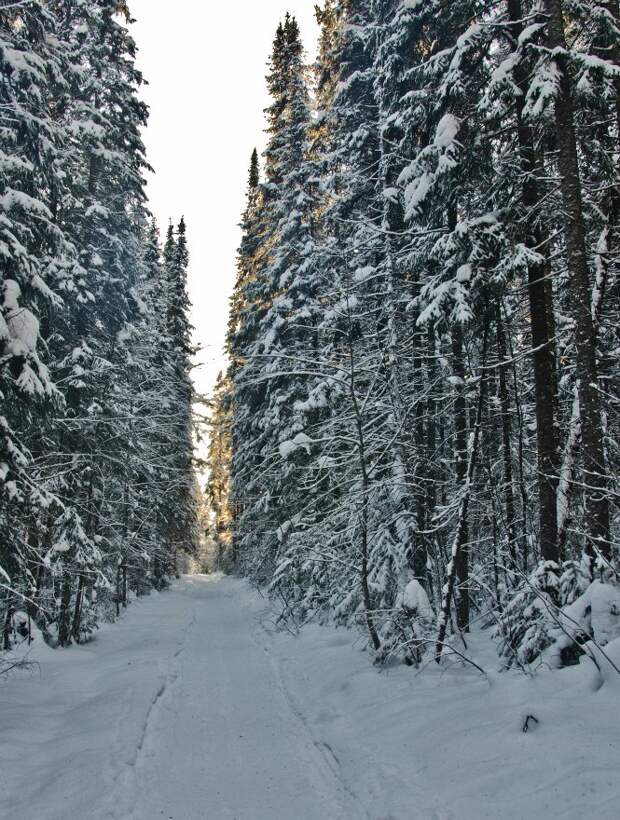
{"points": [[124, 585], [64, 616], [118, 591], [6, 628], [459, 543], [420, 556], [430, 454], [594, 469], [542, 324], [77, 611], [506, 425], [460, 468], [363, 512]]}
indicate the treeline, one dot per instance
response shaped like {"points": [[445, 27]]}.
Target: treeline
{"points": [[422, 402], [96, 484]]}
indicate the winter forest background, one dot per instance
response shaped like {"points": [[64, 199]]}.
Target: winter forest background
{"points": [[417, 432]]}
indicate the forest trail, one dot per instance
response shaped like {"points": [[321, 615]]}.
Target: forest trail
{"points": [[222, 741], [194, 707], [179, 714]]}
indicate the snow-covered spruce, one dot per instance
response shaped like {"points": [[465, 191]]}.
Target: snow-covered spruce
{"points": [[94, 385], [424, 319]]}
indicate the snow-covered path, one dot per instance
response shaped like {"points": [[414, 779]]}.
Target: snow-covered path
{"points": [[179, 713], [192, 707], [223, 732]]}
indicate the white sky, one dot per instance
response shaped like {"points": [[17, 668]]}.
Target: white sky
{"points": [[206, 65]]}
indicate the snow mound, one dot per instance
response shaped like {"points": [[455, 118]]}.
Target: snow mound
{"points": [[415, 599], [591, 625]]}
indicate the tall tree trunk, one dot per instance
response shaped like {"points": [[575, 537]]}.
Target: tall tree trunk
{"points": [[393, 223], [365, 488], [566, 473], [506, 426], [594, 469], [461, 558], [430, 455], [459, 542], [541, 321], [420, 454]]}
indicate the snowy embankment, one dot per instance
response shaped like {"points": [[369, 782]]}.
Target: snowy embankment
{"points": [[193, 708]]}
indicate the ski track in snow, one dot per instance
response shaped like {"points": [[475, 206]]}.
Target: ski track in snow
{"points": [[221, 676], [329, 761], [125, 783], [192, 707]]}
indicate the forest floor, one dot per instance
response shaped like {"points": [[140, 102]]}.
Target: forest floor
{"points": [[193, 707]]}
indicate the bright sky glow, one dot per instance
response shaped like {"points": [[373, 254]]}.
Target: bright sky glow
{"points": [[206, 65]]}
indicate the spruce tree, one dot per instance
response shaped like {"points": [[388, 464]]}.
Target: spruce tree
{"points": [[90, 374]]}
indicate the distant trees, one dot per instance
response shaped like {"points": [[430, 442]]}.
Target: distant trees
{"points": [[424, 382], [219, 456], [96, 455]]}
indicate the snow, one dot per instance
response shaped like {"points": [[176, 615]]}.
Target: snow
{"points": [[3, 573], [301, 441], [18, 199], [543, 89], [22, 61], [416, 600], [417, 191], [362, 274], [608, 661], [12, 292], [287, 448], [529, 31], [4, 329], [504, 70], [178, 711], [599, 607], [447, 131], [391, 194], [193, 707], [21, 324]]}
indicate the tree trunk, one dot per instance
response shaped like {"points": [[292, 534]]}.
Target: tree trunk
{"points": [[64, 617], [6, 629], [365, 483], [77, 610], [459, 543], [594, 469], [118, 590], [506, 437], [542, 322], [461, 557]]}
